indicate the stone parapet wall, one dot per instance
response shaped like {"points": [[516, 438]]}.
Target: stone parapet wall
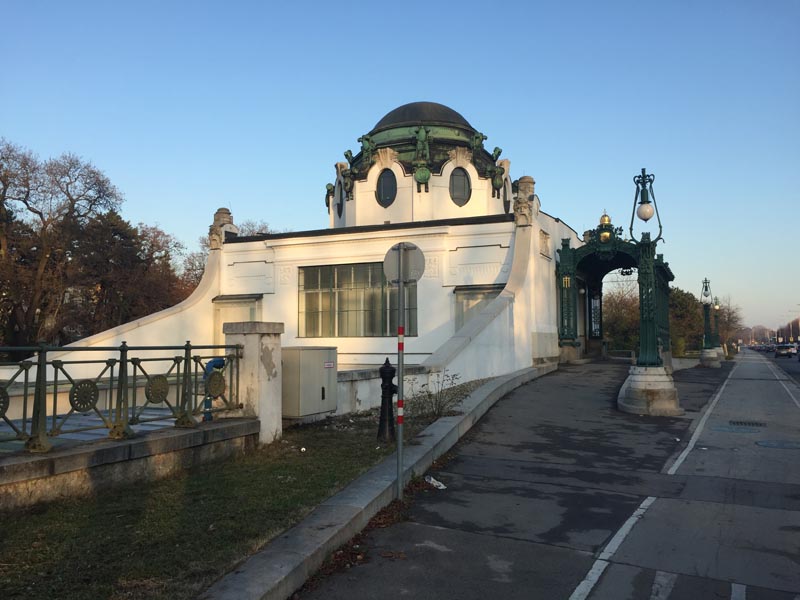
{"points": [[80, 471]]}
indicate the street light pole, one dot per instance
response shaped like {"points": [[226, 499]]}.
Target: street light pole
{"points": [[649, 388], [708, 355], [648, 328]]}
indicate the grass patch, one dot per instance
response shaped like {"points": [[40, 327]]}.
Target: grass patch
{"points": [[171, 539]]}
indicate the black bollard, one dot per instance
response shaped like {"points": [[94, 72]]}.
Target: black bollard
{"points": [[388, 389]]}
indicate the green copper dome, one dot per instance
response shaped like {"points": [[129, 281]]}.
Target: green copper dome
{"points": [[419, 113], [422, 137]]}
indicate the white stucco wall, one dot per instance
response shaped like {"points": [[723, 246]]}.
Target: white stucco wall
{"points": [[411, 205], [474, 254], [517, 330]]}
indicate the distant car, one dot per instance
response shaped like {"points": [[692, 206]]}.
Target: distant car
{"points": [[783, 350]]}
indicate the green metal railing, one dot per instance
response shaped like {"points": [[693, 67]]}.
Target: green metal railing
{"points": [[44, 397]]}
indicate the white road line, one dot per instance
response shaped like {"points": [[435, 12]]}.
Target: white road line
{"points": [[781, 381], [583, 590], [738, 592], [593, 576], [623, 531], [679, 461], [791, 395], [662, 585]]}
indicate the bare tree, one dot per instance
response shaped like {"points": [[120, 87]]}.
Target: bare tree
{"points": [[730, 320], [44, 205], [621, 314]]}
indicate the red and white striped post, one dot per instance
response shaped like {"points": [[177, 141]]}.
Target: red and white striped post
{"points": [[407, 267], [401, 328]]}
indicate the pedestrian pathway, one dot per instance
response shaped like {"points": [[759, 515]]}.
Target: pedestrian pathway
{"points": [[555, 494], [737, 544]]}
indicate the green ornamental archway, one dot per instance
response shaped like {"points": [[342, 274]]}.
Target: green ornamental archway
{"points": [[604, 251]]}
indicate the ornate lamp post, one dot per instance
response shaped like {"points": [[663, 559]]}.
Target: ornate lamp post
{"points": [[708, 355], [648, 330], [649, 388], [717, 341], [705, 300]]}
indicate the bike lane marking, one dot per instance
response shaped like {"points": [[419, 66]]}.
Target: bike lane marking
{"points": [[593, 576]]}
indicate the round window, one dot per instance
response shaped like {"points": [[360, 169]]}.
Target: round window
{"points": [[387, 188], [342, 198], [460, 189]]}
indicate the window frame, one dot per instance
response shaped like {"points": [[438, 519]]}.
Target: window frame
{"points": [[471, 299], [334, 302], [378, 195], [460, 202], [341, 199]]}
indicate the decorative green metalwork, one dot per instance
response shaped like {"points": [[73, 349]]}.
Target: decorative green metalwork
{"points": [[38, 442], [156, 389], [595, 298], [705, 299], [648, 326], [476, 143], [422, 157], [422, 175], [215, 384], [644, 191], [117, 388], [422, 139], [662, 303], [184, 418], [84, 395], [605, 250], [367, 149], [121, 429], [568, 326], [329, 191], [348, 175], [497, 175], [5, 402], [649, 318]]}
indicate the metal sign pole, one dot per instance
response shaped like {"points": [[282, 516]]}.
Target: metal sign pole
{"points": [[401, 326], [409, 258]]}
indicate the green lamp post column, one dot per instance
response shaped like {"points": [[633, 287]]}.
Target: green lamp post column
{"points": [[705, 298], [716, 340], [709, 355], [648, 324], [649, 389]]}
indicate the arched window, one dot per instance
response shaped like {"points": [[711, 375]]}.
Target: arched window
{"points": [[506, 198], [387, 188], [460, 189]]}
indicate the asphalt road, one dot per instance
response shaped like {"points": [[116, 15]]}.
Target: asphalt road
{"points": [[557, 495], [790, 365]]}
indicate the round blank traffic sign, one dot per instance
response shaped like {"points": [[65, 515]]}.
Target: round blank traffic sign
{"points": [[413, 263]]}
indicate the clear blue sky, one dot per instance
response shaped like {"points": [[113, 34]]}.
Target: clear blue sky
{"points": [[189, 106]]}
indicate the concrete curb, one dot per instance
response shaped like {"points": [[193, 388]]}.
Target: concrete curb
{"points": [[278, 570]]}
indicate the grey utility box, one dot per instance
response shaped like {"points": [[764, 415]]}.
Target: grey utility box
{"points": [[309, 381]]}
